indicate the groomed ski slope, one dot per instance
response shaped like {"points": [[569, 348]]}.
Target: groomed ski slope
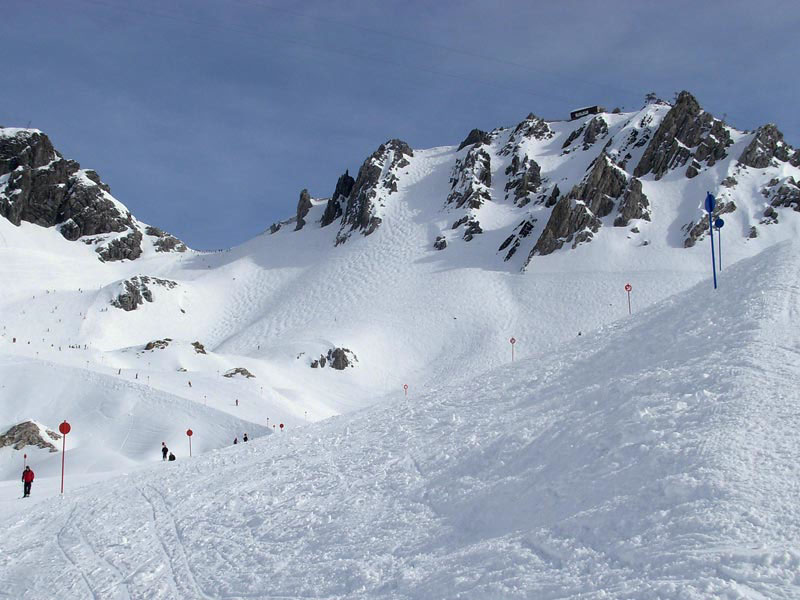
{"points": [[656, 458]]}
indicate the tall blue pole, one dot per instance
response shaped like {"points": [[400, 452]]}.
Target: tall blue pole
{"points": [[719, 242], [710, 203]]}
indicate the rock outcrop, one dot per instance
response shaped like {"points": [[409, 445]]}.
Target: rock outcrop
{"points": [[29, 433], [524, 179], [303, 206], [471, 179], [164, 242], [39, 186], [199, 348], [513, 242], [240, 372], [686, 132], [337, 358], [377, 179], [576, 216], [476, 136], [634, 205], [697, 230], [338, 200], [137, 289], [128, 247], [766, 146], [532, 128], [158, 344]]}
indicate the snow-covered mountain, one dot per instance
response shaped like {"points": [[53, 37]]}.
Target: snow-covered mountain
{"points": [[654, 458], [414, 272]]}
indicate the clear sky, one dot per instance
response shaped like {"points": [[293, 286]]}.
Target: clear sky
{"points": [[207, 118]]}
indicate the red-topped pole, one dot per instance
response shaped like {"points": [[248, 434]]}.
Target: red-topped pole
{"points": [[513, 341], [189, 433], [628, 288], [64, 428]]}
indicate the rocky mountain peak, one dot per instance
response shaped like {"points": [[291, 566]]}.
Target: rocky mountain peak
{"points": [[377, 179], [39, 186], [686, 132]]}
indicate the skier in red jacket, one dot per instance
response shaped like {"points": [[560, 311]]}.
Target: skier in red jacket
{"points": [[27, 480]]}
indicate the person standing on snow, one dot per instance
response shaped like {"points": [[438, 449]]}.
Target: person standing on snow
{"points": [[27, 480], [235, 441], [244, 438], [164, 451]]}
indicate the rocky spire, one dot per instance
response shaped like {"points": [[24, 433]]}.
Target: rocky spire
{"points": [[303, 206], [335, 206]]}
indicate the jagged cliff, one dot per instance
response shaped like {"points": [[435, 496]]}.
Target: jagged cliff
{"points": [[39, 186]]}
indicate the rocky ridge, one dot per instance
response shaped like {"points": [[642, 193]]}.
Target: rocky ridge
{"points": [[39, 186]]}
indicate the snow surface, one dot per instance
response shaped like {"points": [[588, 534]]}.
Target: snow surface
{"points": [[619, 457], [653, 458]]}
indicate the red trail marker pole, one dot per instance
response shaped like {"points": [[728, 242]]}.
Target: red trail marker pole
{"points": [[24, 460], [405, 389], [628, 289], [513, 341], [189, 433], [64, 428]]}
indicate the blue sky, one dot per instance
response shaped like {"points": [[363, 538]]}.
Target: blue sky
{"points": [[207, 118]]}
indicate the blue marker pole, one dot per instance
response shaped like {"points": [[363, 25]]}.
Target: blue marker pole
{"points": [[710, 203], [718, 223]]}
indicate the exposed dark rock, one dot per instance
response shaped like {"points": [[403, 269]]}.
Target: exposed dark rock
{"points": [[696, 231], [573, 136], [128, 247], [241, 371], [335, 206], [303, 206], [784, 193], [337, 358], [596, 128], [137, 290], [461, 221], [472, 229], [729, 182], [553, 197], [93, 176], [634, 205], [275, 228], [470, 181], [753, 232], [341, 358], [359, 214], [525, 178], [158, 344], [513, 241], [27, 148], [766, 145], [476, 136], [440, 243], [165, 242], [532, 127], [577, 215], [199, 348], [27, 433], [43, 188], [684, 128]]}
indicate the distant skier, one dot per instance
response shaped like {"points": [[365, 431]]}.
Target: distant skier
{"points": [[244, 438], [235, 441], [164, 451], [27, 480], [171, 456], [237, 402]]}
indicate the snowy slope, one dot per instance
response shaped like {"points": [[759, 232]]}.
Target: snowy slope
{"points": [[652, 458], [411, 314]]}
